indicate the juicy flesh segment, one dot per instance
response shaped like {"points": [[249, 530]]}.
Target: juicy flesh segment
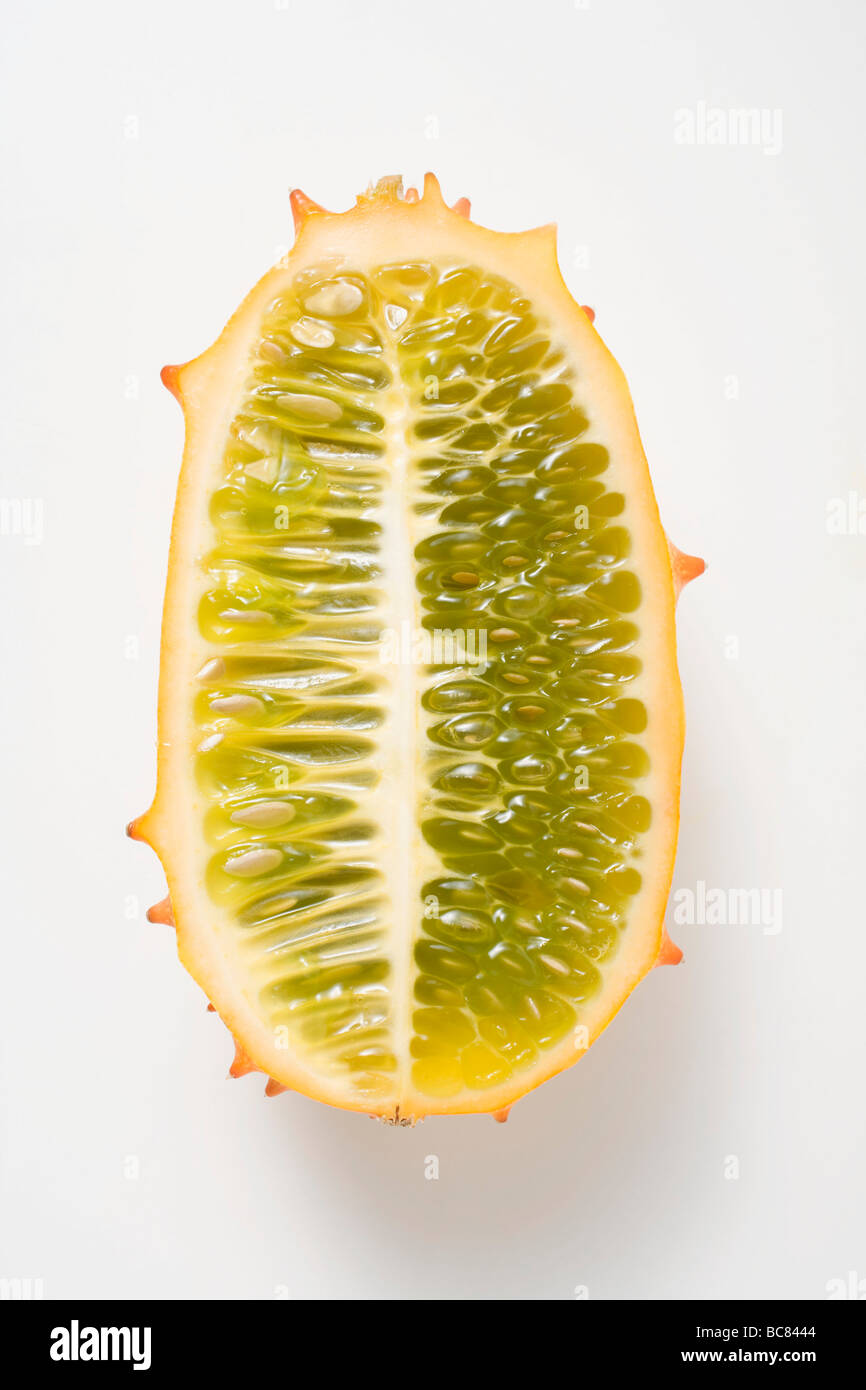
{"points": [[418, 723]]}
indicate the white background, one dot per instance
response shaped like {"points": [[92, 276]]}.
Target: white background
{"points": [[149, 151]]}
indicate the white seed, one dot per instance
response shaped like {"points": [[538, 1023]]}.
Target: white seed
{"points": [[553, 964], [236, 704], [566, 852], [264, 470], [334, 299], [212, 741], [212, 669], [577, 885], [247, 615], [309, 333], [530, 928], [253, 862], [311, 407], [395, 314], [264, 813], [272, 352]]}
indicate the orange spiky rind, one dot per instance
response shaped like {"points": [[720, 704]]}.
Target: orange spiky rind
{"points": [[669, 952], [161, 912], [500, 1116], [685, 567], [170, 378], [536, 248], [388, 191], [242, 1064], [433, 188], [302, 207]]}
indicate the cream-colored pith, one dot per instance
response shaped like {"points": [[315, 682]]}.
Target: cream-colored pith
{"points": [[399, 744]]}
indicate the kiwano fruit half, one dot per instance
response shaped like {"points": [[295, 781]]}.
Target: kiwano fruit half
{"points": [[420, 722]]}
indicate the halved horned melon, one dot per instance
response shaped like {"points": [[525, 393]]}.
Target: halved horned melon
{"points": [[420, 718]]}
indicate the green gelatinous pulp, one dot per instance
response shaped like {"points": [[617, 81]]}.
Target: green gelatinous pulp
{"points": [[532, 759]]}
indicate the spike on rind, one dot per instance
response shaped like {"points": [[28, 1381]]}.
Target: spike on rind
{"points": [[433, 189], [161, 912], [241, 1066], [411, 196], [685, 567], [210, 1008], [462, 207], [590, 313], [134, 830], [275, 1088], [302, 207], [170, 378], [500, 1116], [669, 952]]}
